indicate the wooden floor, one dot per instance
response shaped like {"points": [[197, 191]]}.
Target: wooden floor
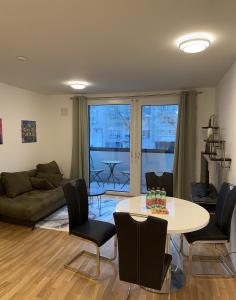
{"points": [[31, 267]]}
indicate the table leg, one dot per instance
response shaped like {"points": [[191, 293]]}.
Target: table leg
{"points": [[99, 204], [112, 175]]}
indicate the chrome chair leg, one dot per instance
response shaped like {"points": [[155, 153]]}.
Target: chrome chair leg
{"points": [[190, 261], [98, 258], [129, 292], [220, 258]]}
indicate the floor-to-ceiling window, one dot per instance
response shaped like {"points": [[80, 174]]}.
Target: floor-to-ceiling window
{"points": [[129, 138], [110, 146]]}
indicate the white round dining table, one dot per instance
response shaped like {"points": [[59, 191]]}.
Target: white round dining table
{"points": [[184, 216]]}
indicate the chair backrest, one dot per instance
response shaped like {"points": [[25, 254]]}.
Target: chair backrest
{"points": [[141, 249], [77, 202], [227, 212], [164, 181], [223, 192]]}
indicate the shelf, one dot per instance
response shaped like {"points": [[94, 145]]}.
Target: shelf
{"points": [[220, 159], [212, 127], [209, 153], [214, 141]]}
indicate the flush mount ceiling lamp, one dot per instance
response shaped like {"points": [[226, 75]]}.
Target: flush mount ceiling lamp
{"points": [[78, 85], [21, 58], [194, 43]]}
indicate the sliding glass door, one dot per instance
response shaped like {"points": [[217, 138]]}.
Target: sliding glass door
{"points": [[109, 146], [129, 138], [159, 123]]}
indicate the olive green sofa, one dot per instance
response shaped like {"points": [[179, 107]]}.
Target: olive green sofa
{"points": [[31, 206]]}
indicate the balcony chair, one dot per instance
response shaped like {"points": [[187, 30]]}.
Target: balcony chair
{"points": [[216, 232], [142, 257], [127, 175], [164, 181], [95, 174], [93, 231]]}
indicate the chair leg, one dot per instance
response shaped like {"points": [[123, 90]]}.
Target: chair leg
{"points": [[230, 270], [98, 258], [190, 261], [129, 292]]}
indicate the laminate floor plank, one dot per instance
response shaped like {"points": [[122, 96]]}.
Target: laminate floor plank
{"points": [[31, 268]]}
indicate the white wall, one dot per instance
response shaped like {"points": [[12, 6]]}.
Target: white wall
{"points": [[205, 108], [226, 112], [53, 130]]}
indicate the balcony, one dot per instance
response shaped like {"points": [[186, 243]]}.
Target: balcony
{"points": [[156, 160]]}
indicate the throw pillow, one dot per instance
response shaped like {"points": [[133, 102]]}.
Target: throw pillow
{"points": [[50, 168], [16, 183], [41, 183], [54, 179]]}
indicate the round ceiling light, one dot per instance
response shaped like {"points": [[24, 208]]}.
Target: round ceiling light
{"points": [[21, 58], [194, 43], [78, 85]]}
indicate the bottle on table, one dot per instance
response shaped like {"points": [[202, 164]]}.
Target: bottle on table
{"points": [[153, 197], [163, 193], [158, 197], [148, 199]]}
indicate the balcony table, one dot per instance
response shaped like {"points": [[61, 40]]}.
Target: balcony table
{"points": [[111, 165], [184, 216]]}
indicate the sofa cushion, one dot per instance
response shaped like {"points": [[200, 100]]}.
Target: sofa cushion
{"points": [[16, 183], [2, 190], [41, 183], [50, 168], [31, 205], [54, 179]]}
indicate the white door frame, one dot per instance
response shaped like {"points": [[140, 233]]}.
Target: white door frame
{"points": [[136, 134], [131, 102], [161, 100]]}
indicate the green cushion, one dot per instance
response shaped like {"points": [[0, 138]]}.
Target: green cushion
{"points": [[50, 168], [32, 205], [16, 183], [41, 183], [54, 179]]}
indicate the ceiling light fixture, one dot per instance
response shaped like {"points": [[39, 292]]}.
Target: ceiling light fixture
{"points": [[194, 43], [21, 58], [78, 85]]}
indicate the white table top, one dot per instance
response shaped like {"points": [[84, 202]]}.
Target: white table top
{"points": [[112, 161], [184, 216]]}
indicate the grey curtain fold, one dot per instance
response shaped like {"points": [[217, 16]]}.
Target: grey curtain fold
{"points": [[79, 163], [185, 148]]}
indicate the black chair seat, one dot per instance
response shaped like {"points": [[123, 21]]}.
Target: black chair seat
{"points": [[95, 231], [209, 233]]}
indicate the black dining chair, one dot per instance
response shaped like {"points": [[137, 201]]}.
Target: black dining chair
{"points": [[164, 181], [93, 231], [141, 245], [217, 231]]}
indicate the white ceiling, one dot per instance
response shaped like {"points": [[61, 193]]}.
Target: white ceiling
{"points": [[116, 45]]}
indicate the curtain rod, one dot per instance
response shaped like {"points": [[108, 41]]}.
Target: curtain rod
{"points": [[132, 96]]}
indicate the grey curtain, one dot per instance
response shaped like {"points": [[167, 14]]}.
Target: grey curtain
{"points": [[79, 163], [185, 148]]}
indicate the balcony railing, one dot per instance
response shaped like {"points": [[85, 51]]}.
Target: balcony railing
{"points": [[157, 160]]}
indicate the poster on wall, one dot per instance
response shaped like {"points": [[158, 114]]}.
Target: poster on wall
{"points": [[1, 137], [28, 131]]}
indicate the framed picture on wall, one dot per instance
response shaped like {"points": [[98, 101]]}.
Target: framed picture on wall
{"points": [[28, 131], [1, 137]]}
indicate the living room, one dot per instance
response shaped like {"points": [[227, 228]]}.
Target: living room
{"points": [[109, 93]]}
